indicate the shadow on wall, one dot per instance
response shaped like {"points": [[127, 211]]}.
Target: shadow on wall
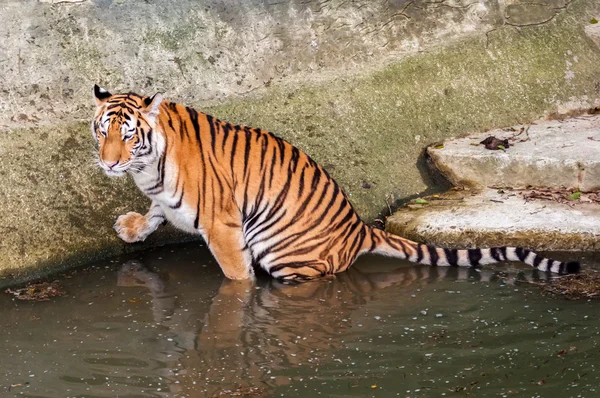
{"points": [[434, 181]]}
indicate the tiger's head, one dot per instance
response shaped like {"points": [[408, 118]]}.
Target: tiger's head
{"points": [[123, 129]]}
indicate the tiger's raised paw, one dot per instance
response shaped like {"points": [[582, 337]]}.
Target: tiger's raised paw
{"points": [[132, 227]]}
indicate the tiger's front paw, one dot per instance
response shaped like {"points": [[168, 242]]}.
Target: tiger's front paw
{"points": [[132, 227]]}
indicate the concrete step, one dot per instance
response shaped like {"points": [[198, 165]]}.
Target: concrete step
{"points": [[547, 153], [491, 217]]}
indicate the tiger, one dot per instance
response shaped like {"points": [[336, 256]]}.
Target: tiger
{"points": [[259, 203]]}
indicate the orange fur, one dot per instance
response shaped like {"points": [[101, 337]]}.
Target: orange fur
{"points": [[257, 200]]}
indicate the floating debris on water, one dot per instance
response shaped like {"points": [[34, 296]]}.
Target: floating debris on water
{"points": [[585, 285], [240, 392], [41, 291]]}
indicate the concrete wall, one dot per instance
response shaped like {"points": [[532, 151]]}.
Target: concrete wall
{"points": [[362, 86], [211, 50]]}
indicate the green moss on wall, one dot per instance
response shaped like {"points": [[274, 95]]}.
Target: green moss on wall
{"points": [[368, 131]]}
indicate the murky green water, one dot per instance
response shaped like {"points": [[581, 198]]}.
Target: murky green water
{"points": [[167, 324]]}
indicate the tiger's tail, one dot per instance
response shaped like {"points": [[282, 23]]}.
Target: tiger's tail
{"points": [[387, 244]]}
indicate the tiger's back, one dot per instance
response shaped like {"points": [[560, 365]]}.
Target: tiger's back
{"points": [[257, 200]]}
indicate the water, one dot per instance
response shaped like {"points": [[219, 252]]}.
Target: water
{"points": [[165, 323]]}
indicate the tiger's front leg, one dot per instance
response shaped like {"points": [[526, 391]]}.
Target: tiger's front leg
{"points": [[134, 227]]}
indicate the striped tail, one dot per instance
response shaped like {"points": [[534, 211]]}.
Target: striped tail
{"points": [[384, 243]]}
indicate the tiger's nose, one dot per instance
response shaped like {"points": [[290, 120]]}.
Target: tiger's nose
{"points": [[110, 164]]}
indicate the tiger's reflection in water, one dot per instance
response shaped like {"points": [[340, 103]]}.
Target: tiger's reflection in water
{"points": [[253, 332]]}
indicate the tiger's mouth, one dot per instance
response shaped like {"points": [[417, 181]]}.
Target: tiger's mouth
{"points": [[114, 173], [115, 170]]}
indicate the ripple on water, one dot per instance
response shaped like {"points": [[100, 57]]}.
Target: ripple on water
{"points": [[166, 324]]}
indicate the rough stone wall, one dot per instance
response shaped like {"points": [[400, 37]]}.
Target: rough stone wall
{"points": [[210, 50], [362, 86]]}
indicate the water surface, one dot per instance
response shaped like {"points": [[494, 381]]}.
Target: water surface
{"points": [[166, 323]]}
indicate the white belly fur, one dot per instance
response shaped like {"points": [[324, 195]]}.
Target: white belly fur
{"points": [[182, 218]]}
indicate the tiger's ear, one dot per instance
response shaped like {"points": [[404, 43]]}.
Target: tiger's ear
{"points": [[152, 105], [101, 95]]}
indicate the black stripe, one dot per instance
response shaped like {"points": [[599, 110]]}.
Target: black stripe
{"points": [[318, 204], [149, 139], [183, 131], [395, 245], [474, 256], [194, 118], [346, 218], [263, 151], [197, 219], [299, 212], [494, 251], [213, 133], [342, 206], [258, 199], [256, 212], [266, 227], [503, 251], [419, 253], [334, 196], [294, 265], [280, 200], [537, 260], [212, 208], [178, 204], [301, 183], [247, 149], [298, 252], [302, 208], [272, 170], [348, 230], [522, 253], [225, 128], [158, 187], [245, 202], [306, 232], [284, 243], [294, 159], [281, 145], [363, 237], [356, 245], [170, 121], [452, 257], [234, 147], [131, 102], [113, 105], [216, 175], [433, 255]]}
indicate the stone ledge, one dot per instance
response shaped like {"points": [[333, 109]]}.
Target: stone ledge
{"points": [[464, 219], [547, 153]]}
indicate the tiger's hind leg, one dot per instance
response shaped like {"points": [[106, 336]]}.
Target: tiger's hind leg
{"points": [[226, 242], [300, 271]]}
